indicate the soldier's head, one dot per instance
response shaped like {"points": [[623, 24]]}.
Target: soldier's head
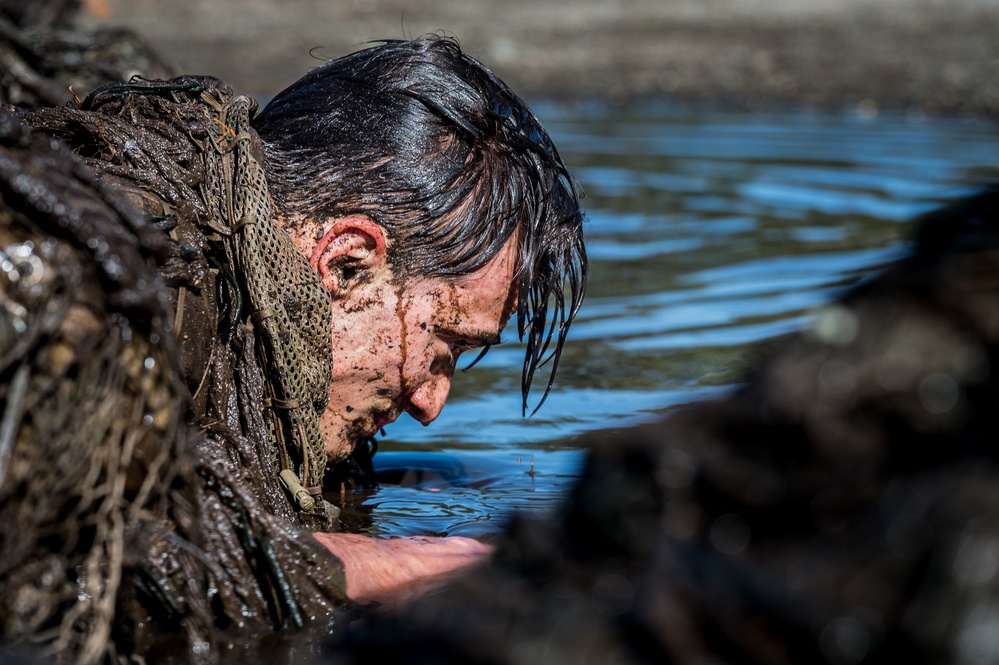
{"points": [[434, 205]]}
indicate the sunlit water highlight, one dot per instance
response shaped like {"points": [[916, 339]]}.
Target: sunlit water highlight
{"points": [[710, 236]]}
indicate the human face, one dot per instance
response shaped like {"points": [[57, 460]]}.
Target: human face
{"points": [[395, 345]]}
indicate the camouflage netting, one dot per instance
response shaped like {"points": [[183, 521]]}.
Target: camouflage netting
{"points": [[123, 528]]}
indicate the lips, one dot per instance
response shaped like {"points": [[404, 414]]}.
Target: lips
{"points": [[380, 420]]}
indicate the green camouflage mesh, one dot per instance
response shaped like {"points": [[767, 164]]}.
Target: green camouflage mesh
{"points": [[290, 308]]}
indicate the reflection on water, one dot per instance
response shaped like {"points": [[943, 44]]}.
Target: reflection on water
{"points": [[709, 235]]}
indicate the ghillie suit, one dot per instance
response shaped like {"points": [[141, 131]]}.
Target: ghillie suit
{"points": [[841, 507], [252, 316], [121, 525], [44, 56]]}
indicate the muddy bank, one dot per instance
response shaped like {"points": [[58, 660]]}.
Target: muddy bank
{"points": [[931, 56]]}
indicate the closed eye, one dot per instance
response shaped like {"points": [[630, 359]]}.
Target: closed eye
{"points": [[485, 342], [465, 340], [463, 344]]}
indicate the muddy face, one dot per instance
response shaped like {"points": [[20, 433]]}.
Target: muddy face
{"points": [[395, 345]]}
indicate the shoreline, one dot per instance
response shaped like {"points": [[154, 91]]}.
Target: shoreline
{"points": [[934, 57]]}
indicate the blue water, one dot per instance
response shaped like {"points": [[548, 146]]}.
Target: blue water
{"points": [[710, 235]]}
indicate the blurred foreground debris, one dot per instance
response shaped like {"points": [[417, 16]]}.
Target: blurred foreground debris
{"points": [[46, 59], [841, 507]]}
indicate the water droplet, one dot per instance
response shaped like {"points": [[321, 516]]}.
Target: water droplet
{"points": [[677, 469], [978, 639], [835, 325], [613, 594], [730, 534], [831, 510], [837, 378], [971, 362], [977, 558], [938, 393], [898, 367], [908, 536], [867, 109], [802, 574], [845, 641], [680, 518]]}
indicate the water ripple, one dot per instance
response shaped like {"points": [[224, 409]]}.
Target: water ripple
{"points": [[709, 234]]}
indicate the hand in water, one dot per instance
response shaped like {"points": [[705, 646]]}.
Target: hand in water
{"points": [[394, 570]]}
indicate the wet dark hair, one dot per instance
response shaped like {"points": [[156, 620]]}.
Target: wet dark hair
{"points": [[429, 143]]}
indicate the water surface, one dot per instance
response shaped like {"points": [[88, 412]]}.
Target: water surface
{"points": [[710, 236]]}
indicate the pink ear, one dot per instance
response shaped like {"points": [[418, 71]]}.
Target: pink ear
{"points": [[318, 252], [344, 238]]}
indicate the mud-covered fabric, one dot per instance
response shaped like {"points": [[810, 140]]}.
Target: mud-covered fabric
{"points": [[122, 527], [45, 57], [184, 152]]}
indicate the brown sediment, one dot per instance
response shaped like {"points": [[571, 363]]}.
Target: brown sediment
{"points": [[400, 311], [930, 56]]}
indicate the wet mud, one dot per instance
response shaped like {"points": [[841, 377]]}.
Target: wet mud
{"points": [[135, 523], [917, 56]]}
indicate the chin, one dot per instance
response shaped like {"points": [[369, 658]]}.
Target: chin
{"points": [[352, 433], [338, 451]]}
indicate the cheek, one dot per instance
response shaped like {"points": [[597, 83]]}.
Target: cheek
{"points": [[420, 346], [417, 353], [366, 346]]}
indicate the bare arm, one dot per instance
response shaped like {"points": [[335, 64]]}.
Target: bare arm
{"points": [[394, 570]]}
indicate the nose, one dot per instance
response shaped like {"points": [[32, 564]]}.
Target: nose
{"points": [[426, 402]]}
